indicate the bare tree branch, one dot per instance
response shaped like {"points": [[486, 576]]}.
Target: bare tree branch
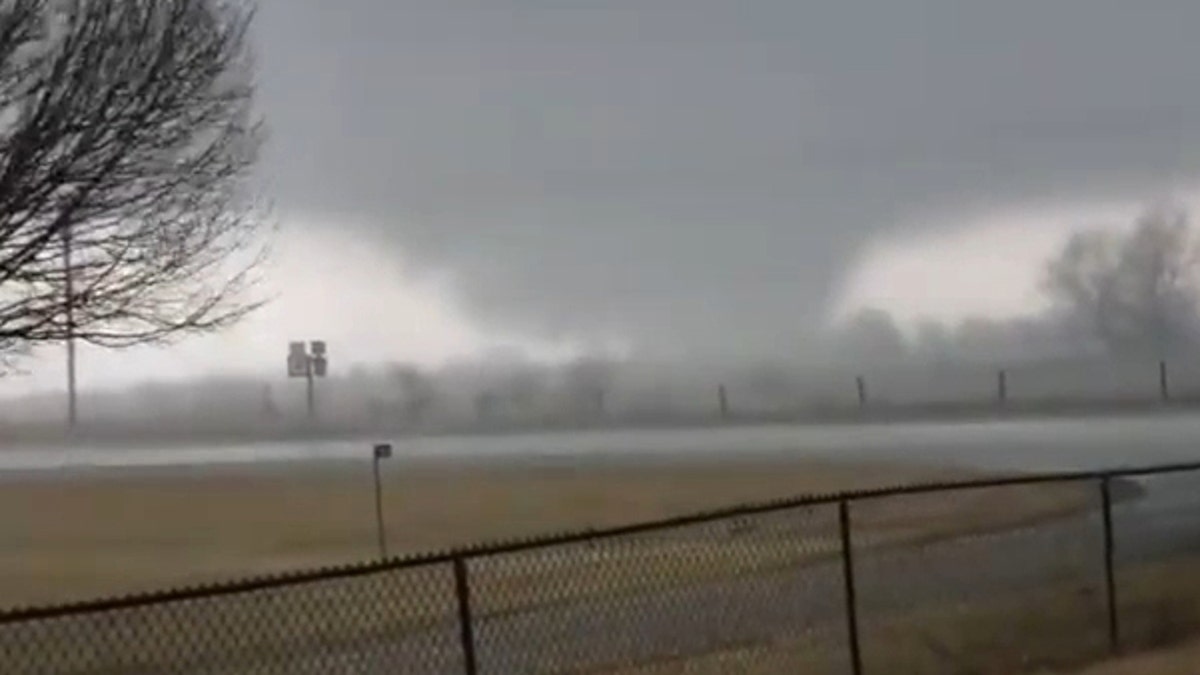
{"points": [[127, 130], [1137, 293]]}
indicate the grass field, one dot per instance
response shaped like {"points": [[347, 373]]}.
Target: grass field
{"points": [[1182, 660], [96, 534], [107, 533], [1058, 629]]}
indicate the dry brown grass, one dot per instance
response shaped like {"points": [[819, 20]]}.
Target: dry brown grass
{"points": [[108, 533], [70, 537], [1058, 629], [1183, 660], [104, 534]]}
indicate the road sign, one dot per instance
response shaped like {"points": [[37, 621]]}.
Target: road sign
{"points": [[318, 347], [320, 365], [297, 361], [380, 451]]}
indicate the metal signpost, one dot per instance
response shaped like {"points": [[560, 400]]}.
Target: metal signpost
{"points": [[309, 364], [381, 451]]}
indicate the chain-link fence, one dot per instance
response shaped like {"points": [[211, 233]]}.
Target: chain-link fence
{"points": [[1004, 575], [352, 621]]}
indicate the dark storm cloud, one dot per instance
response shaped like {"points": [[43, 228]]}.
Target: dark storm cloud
{"points": [[696, 173]]}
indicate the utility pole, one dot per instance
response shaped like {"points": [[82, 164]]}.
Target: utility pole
{"points": [[69, 310], [269, 410]]}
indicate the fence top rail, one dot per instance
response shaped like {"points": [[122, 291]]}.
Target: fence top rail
{"points": [[490, 549]]}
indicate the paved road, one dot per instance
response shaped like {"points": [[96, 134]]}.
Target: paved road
{"points": [[1049, 444]]}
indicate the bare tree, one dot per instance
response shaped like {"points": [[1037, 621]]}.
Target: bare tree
{"points": [[871, 335], [934, 341], [126, 133], [772, 384], [417, 392], [1135, 293], [588, 381], [522, 388]]}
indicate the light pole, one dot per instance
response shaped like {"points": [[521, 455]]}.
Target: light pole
{"points": [[301, 363], [69, 311], [381, 451]]}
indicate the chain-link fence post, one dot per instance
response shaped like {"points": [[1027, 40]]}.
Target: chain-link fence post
{"points": [[848, 578], [1110, 586], [462, 589]]}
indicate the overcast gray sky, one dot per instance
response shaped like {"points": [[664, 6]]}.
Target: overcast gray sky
{"points": [[703, 170], [689, 175]]}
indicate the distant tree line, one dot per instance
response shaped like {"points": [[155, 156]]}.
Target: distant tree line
{"points": [[1115, 297], [1132, 293]]}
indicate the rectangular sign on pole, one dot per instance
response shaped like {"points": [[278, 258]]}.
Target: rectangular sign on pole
{"points": [[297, 361], [380, 451]]}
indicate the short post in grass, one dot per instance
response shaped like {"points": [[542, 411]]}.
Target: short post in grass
{"points": [[723, 401], [1110, 586], [380, 452], [1164, 386]]}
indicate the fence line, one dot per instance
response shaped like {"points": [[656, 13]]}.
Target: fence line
{"points": [[462, 590], [977, 388], [848, 581], [797, 550]]}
